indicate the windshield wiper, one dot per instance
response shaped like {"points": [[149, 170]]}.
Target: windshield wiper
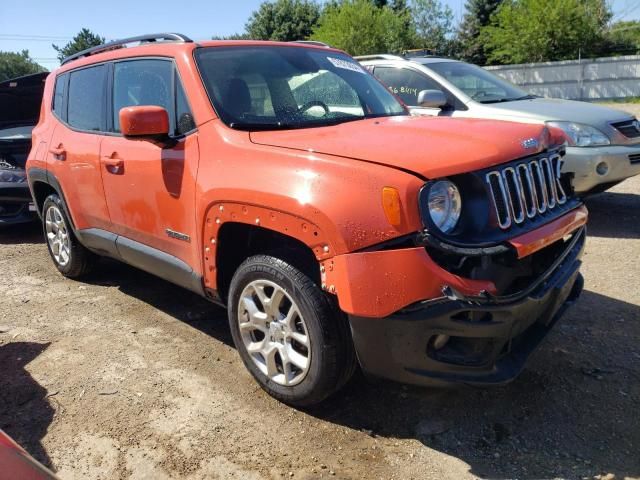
{"points": [[500, 100]]}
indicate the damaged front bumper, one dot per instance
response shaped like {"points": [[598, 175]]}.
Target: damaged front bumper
{"points": [[469, 340], [456, 329]]}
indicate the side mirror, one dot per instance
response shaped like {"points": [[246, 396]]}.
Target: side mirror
{"points": [[431, 99], [144, 121]]}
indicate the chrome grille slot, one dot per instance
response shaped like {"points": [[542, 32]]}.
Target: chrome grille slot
{"points": [[538, 183], [549, 182], [527, 190], [500, 200], [514, 194], [556, 167]]}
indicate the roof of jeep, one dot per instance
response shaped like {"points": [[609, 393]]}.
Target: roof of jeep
{"points": [[177, 48]]}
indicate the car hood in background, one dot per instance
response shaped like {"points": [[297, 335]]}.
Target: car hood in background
{"points": [[429, 146], [544, 109], [20, 100]]}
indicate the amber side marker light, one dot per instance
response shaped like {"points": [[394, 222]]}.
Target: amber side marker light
{"points": [[391, 205]]}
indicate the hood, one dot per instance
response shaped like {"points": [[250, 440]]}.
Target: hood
{"points": [[431, 147], [20, 100], [545, 109]]}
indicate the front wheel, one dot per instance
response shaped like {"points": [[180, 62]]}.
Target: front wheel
{"points": [[289, 334]]}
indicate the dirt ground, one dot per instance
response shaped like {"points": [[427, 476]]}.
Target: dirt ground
{"points": [[127, 376]]}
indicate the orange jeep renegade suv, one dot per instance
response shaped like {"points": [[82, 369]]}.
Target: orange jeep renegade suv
{"points": [[284, 181]]}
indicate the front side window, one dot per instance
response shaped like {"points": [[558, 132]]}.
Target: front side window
{"points": [[143, 82], [477, 83], [86, 98], [405, 83], [290, 87]]}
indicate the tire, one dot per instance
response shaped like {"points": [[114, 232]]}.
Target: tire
{"points": [[71, 258], [300, 310]]}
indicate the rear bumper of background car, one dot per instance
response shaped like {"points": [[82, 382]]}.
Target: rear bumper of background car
{"points": [[469, 340], [16, 204], [617, 162]]}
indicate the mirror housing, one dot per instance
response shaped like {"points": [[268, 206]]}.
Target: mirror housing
{"points": [[431, 99], [144, 121]]}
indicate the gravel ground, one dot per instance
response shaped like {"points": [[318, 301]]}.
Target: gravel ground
{"points": [[127, 376]]}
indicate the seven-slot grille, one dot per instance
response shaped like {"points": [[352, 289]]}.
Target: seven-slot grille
{"points": [[629, 128], [526, 190]]}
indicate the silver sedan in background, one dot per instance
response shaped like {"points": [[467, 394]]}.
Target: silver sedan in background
{"points": [[603, 143]]}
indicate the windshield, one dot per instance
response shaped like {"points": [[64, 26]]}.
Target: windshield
{"points": [[274, 87], [479, 84]]}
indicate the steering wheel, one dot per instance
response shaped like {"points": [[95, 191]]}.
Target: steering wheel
{"points": [[479, 93], [314, 103]]}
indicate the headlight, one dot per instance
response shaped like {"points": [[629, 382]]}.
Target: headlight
{"points": [[444, 205], [581, 135]]}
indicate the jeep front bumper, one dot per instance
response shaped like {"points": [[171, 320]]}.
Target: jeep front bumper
{"points": [[460, 330]]}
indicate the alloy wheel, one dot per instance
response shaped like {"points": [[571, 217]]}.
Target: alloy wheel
{"points": [[57, 236], [274, 332]]}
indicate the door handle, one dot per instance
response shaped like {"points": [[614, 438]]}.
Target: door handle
{"points": [[59, 153], [113, 163]]}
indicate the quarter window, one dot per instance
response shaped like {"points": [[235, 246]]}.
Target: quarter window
{"points": [[86, 95], [405, 83], [58, 96]]}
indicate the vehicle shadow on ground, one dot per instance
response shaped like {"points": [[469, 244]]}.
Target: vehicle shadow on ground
{"points": [[21, 233], [25, 412], [614, 215], [175, 301], [571, 414]]}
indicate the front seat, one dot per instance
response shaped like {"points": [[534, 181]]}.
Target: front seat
{"points": [[238, 99]]}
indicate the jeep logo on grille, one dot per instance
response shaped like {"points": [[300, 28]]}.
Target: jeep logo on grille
{"points": [[530, 143]]}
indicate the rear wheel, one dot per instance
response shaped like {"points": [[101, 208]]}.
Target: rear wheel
{"points": [[290, 335], [71, 258]]}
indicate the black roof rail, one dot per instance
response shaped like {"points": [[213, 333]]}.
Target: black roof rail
{"points": [[153, 37]]}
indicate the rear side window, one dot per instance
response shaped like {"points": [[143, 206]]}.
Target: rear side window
{"points": [[86, 98], [405, 83], [59, 93]]}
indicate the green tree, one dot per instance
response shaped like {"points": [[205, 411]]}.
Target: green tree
{"points": [[14, 65], [524, 31], [83, 40], [469, 45], [433, 24], [233, 36], [360, 28], [623, 38], [283, 20]]}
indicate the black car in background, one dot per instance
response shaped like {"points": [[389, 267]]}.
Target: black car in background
{"points": [[20, 100]]}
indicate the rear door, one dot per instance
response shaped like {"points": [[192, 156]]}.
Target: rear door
{"points": [[150, 185], [73, 157]]}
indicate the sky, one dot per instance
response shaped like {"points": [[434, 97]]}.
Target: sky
{"points": [[36, 24]]}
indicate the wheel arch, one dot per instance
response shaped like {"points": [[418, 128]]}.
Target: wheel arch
{"points": [[233, 232]]}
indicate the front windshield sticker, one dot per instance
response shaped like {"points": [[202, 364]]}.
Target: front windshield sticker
{"points": [[339, 63]]}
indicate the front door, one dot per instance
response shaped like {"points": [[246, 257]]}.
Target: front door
{"points": [[150, 185]]}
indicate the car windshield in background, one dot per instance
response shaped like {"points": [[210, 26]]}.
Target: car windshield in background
{"points": [[479, 84], [264, 88]]}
